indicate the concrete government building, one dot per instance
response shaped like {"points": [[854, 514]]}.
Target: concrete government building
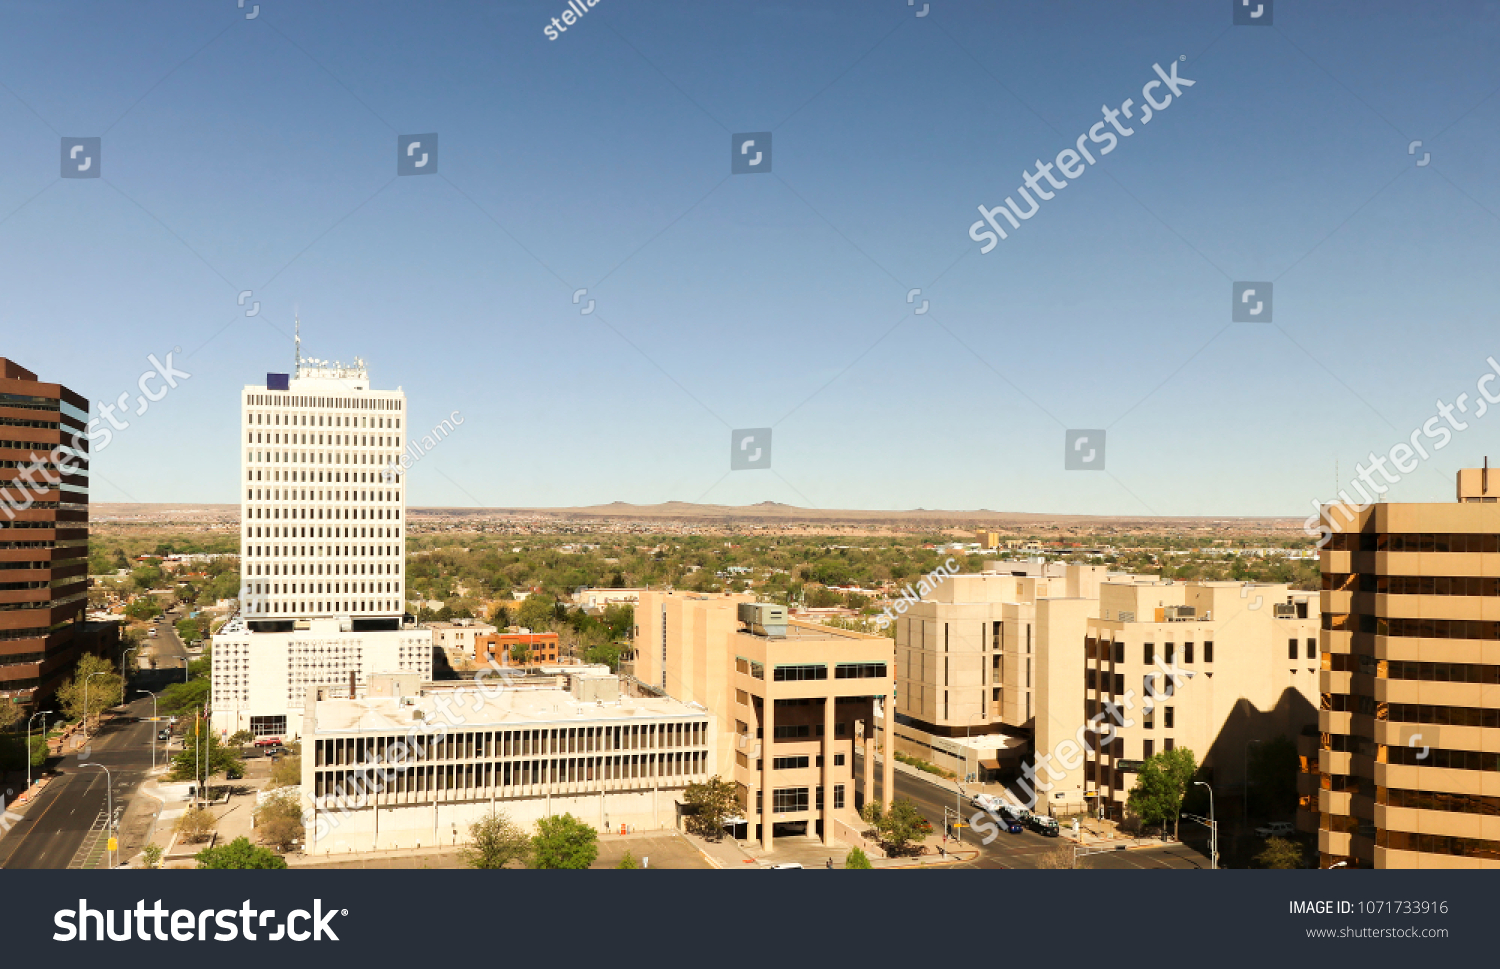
{"points": [[322, 539], [1409, 758]]}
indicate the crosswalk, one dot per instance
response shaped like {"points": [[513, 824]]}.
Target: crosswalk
{"points": [[95, 847]]}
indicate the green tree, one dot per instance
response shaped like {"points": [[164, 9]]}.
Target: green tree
{"points": [[536, 613], [239, 853], [195, 824], [10, 713], [179, 698], [495, 841], [563, 841], [145, 578], [901, 825], [151, 855], [203, 754], [1160, 785], [710, 805], [240, 738], [500, 617], [141, 608], [620, 620], [1280, 853], [857, 859], [189, 630], [278, 819], [101, 691], [628, 862], [520, 654]]}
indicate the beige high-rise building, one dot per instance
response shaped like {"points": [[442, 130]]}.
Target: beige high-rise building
{"points": [[791, 700], [1410, 719]]}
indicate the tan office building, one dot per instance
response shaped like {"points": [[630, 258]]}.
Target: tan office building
{"points": [[795, 695], [1410, 718], [969, 662], [1211, 666]]}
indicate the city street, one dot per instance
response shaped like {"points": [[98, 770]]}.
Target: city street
{"points": [[66, 825], [1026, 849]]}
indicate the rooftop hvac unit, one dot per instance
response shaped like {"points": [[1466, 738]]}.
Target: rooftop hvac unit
{"points": [[1284, 610], [1178, 613], [763, 618]]}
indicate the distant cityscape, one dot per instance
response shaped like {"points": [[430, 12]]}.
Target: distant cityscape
{"points": [[325, 676]]}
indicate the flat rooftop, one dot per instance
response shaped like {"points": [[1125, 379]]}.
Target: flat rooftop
{"points": [[472, 708]]}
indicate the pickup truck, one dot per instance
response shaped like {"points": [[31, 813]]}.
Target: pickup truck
{"points": [[1276, 829]]}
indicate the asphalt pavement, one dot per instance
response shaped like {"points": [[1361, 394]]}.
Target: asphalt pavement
{"points": [[70, 812], [1025, 850]]}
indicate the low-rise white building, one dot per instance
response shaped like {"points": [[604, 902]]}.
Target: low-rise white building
{"points": [[407, 771], [262, 681]]}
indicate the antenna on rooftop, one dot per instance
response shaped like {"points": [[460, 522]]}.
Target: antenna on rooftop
{"points": [[297, 339]]}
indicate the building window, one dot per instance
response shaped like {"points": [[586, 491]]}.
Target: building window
{"points": [[788, 763], [856, 671], [1166, 718], [792, 731], [1208, 651], [801, 672], [1166, 745], [1171, 653], [788, 800], [1148, 721], [1291, 649], [1119, 653], [1148, 747], [838, 796], [268, 726], [1312, 649], [1148, 653], [838, 760], [1187, 652]]}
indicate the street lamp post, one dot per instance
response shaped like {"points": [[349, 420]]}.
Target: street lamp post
{"points": [[109, 790], [1213, 828], [154, 728], [39, 713]]}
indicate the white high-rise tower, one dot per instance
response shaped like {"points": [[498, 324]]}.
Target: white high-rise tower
{"points": [[322, 539], [322, 520]]}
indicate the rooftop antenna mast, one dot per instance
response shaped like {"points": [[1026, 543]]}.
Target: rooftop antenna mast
{"points": [[297, 339]]}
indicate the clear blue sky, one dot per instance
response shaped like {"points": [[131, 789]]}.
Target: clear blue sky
{"points": [[260, 155]]}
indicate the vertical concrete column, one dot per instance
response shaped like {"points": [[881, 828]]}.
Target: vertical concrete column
{"points": [[827, 776], [870, 755], [768, 737], [888, 756]]}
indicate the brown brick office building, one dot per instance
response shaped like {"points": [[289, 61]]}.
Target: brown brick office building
{"points": [[43, 538]]}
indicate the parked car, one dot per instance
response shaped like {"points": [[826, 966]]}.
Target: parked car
{"points": [[1015, 827], [1276, 829], [164, 735], [986, 802], [1042, 824], [1012, 812]]}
